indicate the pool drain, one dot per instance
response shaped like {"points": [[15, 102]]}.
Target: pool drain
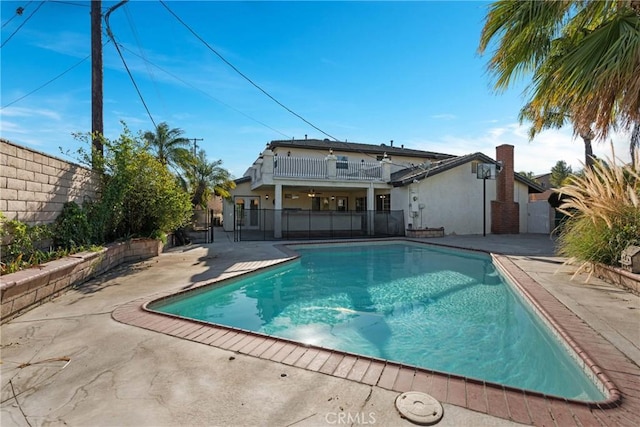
{"points": [[419, 408]]}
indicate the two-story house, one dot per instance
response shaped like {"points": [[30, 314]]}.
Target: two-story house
{"points": [[323, 188]]}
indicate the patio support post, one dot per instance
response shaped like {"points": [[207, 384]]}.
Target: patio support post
{"points": [[371, 207], [257, 171], [332, 168], [268, 166], [277, 215], [386, 168]]}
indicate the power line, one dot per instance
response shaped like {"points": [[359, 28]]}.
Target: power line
{"points": [[255, 84], [47, 83], [19, 11], [149, 71], [243, 75], [21, 25], [207, 94], [70, 3], [113, 39]]}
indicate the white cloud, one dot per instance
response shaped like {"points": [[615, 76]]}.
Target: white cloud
{"points": [[65, 42], [537, 156], [497, 132], [30, 112], [11, 127], [444, 116]]}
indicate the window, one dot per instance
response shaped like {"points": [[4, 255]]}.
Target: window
{"points": [[474, 167], [383, 202], [342, 204], [342, 162], [361, 204]]}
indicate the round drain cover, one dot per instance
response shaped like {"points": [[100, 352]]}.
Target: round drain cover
{"points": [[419, 408]]}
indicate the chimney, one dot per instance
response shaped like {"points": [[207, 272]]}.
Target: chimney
{"points": [[505, 213], [504, 180], [392, 142]]}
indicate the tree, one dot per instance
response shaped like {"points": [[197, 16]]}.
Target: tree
{"points": [[581, 55], [207, 178], [530, 175], [555, 118], [634, 147], [140, 197], [559, 173], [169, 146]]}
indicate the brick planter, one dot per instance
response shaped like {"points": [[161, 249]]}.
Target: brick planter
{"points": [[22, 290], [619, 277], [425, 232]]}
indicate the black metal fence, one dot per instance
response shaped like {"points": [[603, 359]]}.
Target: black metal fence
{"points": [[269, 224]]}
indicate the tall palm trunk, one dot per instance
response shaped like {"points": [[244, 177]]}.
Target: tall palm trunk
{"points": [[634, 146], [587, 137]]}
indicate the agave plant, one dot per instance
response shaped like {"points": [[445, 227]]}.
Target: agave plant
{"points": [[603, 206]]}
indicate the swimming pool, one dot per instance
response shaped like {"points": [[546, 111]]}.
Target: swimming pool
{"points": [[432, 308]]}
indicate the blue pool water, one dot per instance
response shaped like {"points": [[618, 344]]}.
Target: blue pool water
{"points": [[433, 308]]}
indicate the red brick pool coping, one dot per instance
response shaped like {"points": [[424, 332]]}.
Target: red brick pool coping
{"points": [[619, 375]]}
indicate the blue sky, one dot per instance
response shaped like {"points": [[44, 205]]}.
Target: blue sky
{"points": [[367, 72]]}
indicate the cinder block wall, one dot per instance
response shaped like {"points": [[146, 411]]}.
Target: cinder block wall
{"points": [[34, 186]]}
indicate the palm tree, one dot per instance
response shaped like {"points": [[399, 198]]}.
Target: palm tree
{"points": [[634, 148], [169, 146], [208, 178], [582, 56], [555, 118]]}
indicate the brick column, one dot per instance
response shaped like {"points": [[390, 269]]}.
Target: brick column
{"points": [[505, 213]]}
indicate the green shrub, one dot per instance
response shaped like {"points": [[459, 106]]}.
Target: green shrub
{"points": [[139, 197], [71, 228], [595, 241], [603, 206], [22, 245]]}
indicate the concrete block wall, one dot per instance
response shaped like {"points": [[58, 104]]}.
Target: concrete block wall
{"points": [[34, 186]]}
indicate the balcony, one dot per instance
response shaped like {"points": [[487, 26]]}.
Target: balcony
{"points": [[269, 167], [303, 167]]}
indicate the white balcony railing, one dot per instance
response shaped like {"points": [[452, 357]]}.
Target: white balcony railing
{"points": [[359, 170], [299, 167], [307, 167]]}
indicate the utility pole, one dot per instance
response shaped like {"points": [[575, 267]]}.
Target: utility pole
{"points": [[195, 144], [97, 125]]}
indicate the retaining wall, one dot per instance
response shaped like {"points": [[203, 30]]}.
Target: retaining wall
{"points": [[25, 289], [34, 186], [619, 277], [425, 232]]}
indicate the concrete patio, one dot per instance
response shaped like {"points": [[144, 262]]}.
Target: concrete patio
{"points": [[68, 362]]}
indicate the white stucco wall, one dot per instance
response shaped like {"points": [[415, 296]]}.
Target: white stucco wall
{"points": [[521, 196], [453, 200], [242, 189]]}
